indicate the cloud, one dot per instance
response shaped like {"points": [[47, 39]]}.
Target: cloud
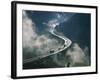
{"points": [[58, 19], [73, 56], [76, 54], [28, 31], [35, 43]]}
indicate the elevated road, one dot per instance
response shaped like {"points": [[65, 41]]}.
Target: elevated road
{"points": [[67, 43]]}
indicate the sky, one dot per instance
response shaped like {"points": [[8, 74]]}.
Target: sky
{"points": [[76, 26], [37, 40]]}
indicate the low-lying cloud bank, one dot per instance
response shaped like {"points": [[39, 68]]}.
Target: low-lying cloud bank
{"points": [[33, 42], [73, 56]]}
